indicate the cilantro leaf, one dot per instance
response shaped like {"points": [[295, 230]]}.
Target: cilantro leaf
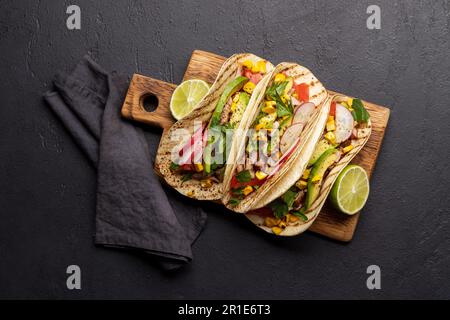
{"points": [[174, 166], [279, 208], [237, 191], [244, 176], [283, 109], [289, 197], [359, 113], [186, 177], [234, 201], [300, 214]]}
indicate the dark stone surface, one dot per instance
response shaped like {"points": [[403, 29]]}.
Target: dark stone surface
{"points": [[47, 186]]}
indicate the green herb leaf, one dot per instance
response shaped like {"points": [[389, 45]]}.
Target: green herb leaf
{"points": [[174, 166], [283, 109], [279, 208], [234, 202], [237, 191], [301, 215], [359, 113], [289, 197], [244, 176], [186, 177]]}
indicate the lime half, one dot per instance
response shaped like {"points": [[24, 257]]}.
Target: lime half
{"points": [[351, 190], [186, 96]]}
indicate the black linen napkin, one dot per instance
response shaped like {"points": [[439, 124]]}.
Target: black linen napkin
{"points": [[133, 209]]}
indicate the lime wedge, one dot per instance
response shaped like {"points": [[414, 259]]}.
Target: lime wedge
{"points": [[186, 96], [351, 190]]}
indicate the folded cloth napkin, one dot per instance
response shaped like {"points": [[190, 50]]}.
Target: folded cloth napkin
{"points": [[133, 209]]}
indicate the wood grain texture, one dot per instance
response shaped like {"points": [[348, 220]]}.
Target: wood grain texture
{"points": [[140, 88], [205, 65]]}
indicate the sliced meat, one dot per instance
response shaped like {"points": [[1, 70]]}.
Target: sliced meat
{"points": [[226, 112], [299, 200]]}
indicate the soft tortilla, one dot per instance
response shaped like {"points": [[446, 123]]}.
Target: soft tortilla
{"points": [[299, 227], [173, 139], [293, 168]]}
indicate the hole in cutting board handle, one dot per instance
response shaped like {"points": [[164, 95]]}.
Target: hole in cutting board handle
{"points": [[149, 102]]}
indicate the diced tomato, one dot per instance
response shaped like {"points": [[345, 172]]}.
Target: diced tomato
{"points": [[255, 182], [263, 212], [248, 73], [187, 167], [302, 91], [333, 109], [256, 77], [234, 183]]}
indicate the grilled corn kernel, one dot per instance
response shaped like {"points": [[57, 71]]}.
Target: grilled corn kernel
{"points": [[331, 125], [330, 136], [206, 183], [347, 148], [330, 118], [306, 174], [259, 126], [316, 178], [269, 107], [233, 107], [236, 98], [350, 102], [247, 190], [282, 224], [249, 87], [295, 95], [277, 230], [261, 65], [198, 167], [285, 98], [248, 64], [293, 218], [260, 175], [271, 222], [279, 77], [190, 193], [301, 184]]}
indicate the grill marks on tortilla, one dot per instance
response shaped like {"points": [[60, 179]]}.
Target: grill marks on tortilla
{"points": [[202, 113], [297, 72]]}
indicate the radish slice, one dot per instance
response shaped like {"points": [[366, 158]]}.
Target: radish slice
{"points": [[295, 102], [304, 113], [289, 136], [344, 123], [283, 159], [187, 152]]}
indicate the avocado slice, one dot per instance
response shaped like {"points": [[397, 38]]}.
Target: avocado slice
{"points": [[322, 146], [214, 132], [230, 88], [320, 167]]}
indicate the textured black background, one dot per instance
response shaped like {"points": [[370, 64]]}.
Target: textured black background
{"points": [[47, 187]]}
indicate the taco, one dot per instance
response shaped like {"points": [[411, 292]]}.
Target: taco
{"points": [[192, 155], [278, 128], [345, 131]]}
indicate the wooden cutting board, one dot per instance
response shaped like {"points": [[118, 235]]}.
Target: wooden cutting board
{"points": [[205, 65]]}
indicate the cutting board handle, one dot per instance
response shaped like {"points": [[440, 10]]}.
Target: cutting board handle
{"points": [[140, 89]]}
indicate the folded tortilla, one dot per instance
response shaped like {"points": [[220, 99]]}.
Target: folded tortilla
{"points": [[174, 138], [292, 229], [292, 169]]}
